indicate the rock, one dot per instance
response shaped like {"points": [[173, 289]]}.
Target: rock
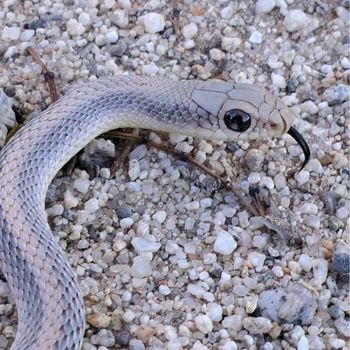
{"points": [[343, 325], [295, 305], [257, 325], [278, 81], [7, 116], [264, 6], [74, 28], [341, 259], [112, 37], [256, 37], [27, 35], [91, 205], [233, 322], [142, 245], [254, 159], [257, 260], [216, 54], [104, 337], [138, 152], [153, 22], [82, 185], [337, 94], [55, 210], [99, 320], [227, 12], [298, 21], [320, 271], [214, 312], [224, 243], [230, 44], [190, 30], [204, 324], [159, 216], [120, 18], [84, 18], [141, 267], [10, 33], [69, 200]]}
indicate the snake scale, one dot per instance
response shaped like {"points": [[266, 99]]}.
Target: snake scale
{"points": [[47, 295]]}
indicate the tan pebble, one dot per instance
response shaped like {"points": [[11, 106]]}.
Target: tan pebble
{"points": [[275, 331], [99, 320], [144, 333]]}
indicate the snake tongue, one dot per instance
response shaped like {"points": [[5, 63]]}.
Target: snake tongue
{"points": [[302, 143]]}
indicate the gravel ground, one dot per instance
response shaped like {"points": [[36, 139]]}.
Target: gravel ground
{"points": [[166, 258]]}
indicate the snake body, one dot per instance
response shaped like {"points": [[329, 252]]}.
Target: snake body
{"points": [[47, 295]]}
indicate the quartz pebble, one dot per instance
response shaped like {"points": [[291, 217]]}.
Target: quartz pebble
{"points": [[264, 6], [153, 22], [224, 243], [204, 324]]}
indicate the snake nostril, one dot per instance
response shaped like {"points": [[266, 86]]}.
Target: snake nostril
{"points": [[273, 125]]}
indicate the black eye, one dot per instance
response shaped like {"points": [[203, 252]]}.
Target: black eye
{"points": [[237, 120]]}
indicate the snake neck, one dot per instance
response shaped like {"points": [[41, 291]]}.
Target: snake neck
{"points": [[48, 298]]}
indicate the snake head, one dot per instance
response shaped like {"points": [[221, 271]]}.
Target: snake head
{"points": [[245, 112]]}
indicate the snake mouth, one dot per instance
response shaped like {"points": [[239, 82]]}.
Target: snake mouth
{"points": [[302, 143]]}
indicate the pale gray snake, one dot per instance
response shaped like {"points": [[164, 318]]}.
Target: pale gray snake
{"points": [[48, 299]]}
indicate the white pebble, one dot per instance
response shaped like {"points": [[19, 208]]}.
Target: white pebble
{"points": [[84, 19], [134, 169], [164, 290], [224, 243], [112, 37], [216, 54], [91, 205], [278, 81], [230, 44], [214, 312], [160, 216], [126, 223], [257, 260], [55, 210], [254, 177], [233, 322], [149, 69], [255, 37], [10, 33], [194, 205], [74, 28], [190, 30], [27, 35], [142, 228], [297, 20], [309, 208], [142, 245], [204, 324], [320, 271], [267, 182], [69, 200], [153, 22], [81, 185], [120, 18], [264, 6], [227, 12], [309, 107], [141, 267], [302, 177]]}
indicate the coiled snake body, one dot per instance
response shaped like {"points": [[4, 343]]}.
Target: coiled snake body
{"points": [[48, 299]]}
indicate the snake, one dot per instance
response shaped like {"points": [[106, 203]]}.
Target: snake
{"points": [[48, 298]]}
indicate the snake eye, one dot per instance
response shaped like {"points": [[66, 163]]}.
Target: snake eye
{"points": [[237, 120]]}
